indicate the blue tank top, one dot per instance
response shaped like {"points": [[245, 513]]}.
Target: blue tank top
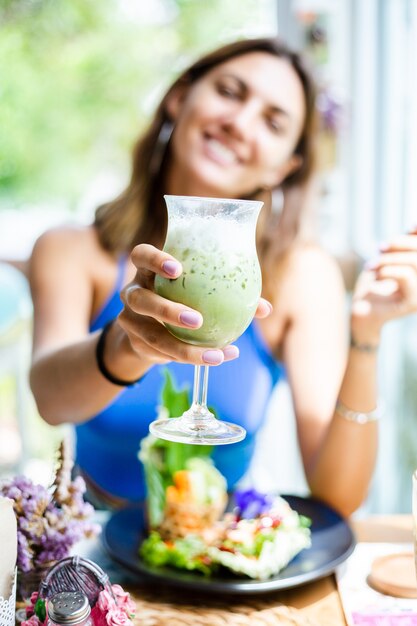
{"points": [[107, 445]]}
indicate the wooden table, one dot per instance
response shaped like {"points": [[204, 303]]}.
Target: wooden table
{"points": [[318, 602]]}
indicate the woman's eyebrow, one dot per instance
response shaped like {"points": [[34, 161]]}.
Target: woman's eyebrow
{"points": [[274, 108]]}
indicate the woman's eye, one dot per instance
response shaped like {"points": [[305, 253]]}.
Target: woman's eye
{"points": [[275, 125], [228, 92]]}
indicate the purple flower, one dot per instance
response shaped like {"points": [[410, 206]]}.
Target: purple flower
{"points": [[331, 111], [47, 528], [252, 503]]}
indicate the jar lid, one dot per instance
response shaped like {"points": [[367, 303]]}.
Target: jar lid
{"points": [[68, 607]]}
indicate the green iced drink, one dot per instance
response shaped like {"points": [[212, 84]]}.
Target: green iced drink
{"points": [[221, 277], [214, 239]]}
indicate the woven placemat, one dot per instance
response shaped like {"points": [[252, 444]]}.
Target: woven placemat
{"points": [[167, 612]]}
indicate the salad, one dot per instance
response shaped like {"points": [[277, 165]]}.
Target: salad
{"points": [[189, 527]]}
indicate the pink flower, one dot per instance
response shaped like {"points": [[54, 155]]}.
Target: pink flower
{"points": [[105, 601], [34, 597], [109, 611], [119, 592], [33, 621], [117, 617], [30, 608], [98, 617], [123, 600]]}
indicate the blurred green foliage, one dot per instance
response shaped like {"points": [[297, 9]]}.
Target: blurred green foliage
{"points": [[79, 79]]}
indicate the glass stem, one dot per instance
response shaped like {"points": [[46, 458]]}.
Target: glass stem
{"points": [[199, 405]]}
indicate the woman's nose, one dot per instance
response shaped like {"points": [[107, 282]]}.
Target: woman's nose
{"points": [[242, 120]]}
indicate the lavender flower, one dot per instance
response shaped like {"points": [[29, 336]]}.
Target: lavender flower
{"points": [[331, 110], [49, 521], [252, 503]]}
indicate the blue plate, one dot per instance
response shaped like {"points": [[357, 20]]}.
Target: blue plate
{"points": [[332, 542]]}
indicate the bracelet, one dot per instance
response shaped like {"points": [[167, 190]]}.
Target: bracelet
{"points": [[100, 360], [356, 416], [370, 348]]}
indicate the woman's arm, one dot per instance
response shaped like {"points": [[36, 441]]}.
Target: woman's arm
{"points": [[64, 377], [346, 458], [338, 454]]}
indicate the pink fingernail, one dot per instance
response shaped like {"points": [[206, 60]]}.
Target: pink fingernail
{"points": [[213, 357], [231, 352], [171, 267], [191, 318]]}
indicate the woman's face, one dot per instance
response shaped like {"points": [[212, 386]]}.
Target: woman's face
{"points": [[236, 128]]}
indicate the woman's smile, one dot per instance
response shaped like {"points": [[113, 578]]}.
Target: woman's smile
{"points": [[218, 151]]}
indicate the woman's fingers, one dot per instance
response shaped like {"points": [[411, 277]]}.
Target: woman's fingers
{"points": [[264, 308], [405, 277], [150, 261], [387, 293], [145, 302], [406, 257], [404, 243], [151, 339]]}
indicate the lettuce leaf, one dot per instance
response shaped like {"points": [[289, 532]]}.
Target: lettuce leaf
{"points": [[189, 553]]}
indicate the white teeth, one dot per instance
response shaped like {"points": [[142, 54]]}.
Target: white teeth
{"points": [[223, 152]]}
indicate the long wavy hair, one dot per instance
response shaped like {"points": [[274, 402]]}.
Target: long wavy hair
{"points": [[139, 215]]}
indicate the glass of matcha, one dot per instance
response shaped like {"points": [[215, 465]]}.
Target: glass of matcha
{"points": [[214, 240]]}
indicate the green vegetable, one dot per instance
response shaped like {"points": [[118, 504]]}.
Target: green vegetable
{"points": [[305, 522], [189, 553]]}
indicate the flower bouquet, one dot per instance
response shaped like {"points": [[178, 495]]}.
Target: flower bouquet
{"points": [[49, 520], [114, 607]]}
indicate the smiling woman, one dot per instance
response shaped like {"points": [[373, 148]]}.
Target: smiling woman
{"points": [[238, 123]]}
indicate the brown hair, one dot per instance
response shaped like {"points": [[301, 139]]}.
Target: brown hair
{"points": [[139, 215]]}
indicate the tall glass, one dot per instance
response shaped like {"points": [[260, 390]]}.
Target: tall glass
{"points": [[214, 239]]}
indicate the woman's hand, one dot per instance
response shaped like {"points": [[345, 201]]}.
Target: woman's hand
{"points": [[145, 314], [387, 288]]}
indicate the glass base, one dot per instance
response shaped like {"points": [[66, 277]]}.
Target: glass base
{"points": [[211, 432]]}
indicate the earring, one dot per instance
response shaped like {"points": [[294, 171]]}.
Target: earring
{"points": [[160, 147], [277, 203]]}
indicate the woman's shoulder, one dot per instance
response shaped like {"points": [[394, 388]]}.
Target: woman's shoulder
{"points": [[70, 250], [310, 272], [72, 239], [309, 261]]}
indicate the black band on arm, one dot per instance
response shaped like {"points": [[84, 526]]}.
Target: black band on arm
{"points": [[100, 360]]}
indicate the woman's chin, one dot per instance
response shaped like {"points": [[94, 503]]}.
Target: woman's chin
{"points": [[212, 187]]}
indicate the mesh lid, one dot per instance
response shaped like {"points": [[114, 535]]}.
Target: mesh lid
{"points": [[68, 607]]}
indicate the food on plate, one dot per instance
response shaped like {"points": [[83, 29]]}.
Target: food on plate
{"points": [[189, 527], [258, 547]]}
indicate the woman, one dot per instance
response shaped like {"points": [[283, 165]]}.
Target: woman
{"points": [[239, 123]]}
